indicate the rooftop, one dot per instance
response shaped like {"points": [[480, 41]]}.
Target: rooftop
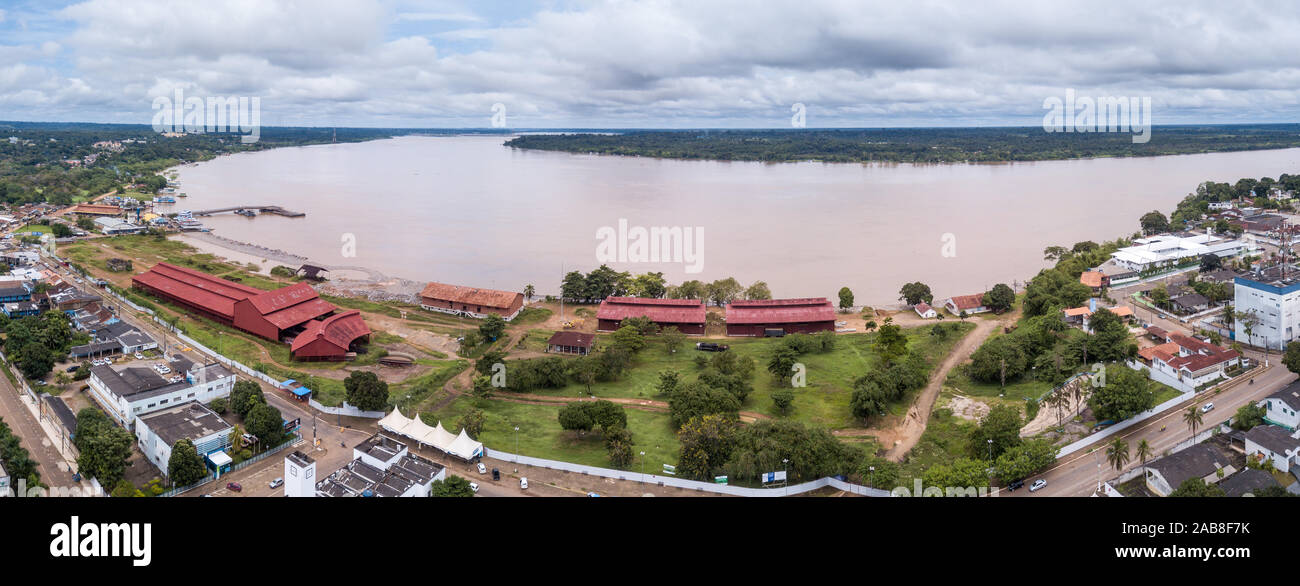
{"points": [[1289, 394], [470, 295], [767, 311], [1274, 439], [581, 339], [1198, 461], [1247, 481], [689, 311], [191, 421]]}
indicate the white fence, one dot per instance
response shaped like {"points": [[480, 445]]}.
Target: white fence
{"points": [[688, 484], [347, 410]]}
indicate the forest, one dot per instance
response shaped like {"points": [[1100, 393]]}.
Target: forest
{"points": [[914, 145]]}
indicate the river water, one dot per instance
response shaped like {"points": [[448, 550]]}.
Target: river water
{"points": [[467, 210]]}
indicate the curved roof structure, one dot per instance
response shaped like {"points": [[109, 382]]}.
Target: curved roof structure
{"points": [[289, 306], [332, 335], [687, 311], [196, 288]]}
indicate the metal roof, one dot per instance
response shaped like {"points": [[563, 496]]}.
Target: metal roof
{"points": [[681, 311], [771, 311], [209, 292], [470, 295], [338, 330]]}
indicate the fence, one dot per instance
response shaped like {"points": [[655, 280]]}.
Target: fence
{"points": [[347, 410], [292, 441], [688, 484]]}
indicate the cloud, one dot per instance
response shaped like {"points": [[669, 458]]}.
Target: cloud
{"points": [[658, 63]]}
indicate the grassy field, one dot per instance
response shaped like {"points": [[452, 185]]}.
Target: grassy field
{"points": [[824, 402], [540, 434], [944, 440]]}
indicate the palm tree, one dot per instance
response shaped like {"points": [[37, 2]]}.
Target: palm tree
{"points": [[1144, 454], [529, 291], [1193, 418], [1117, 454]]}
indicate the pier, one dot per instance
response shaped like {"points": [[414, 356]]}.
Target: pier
{"points": [[277, 210]]}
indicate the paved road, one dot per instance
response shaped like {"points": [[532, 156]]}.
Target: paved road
{"points": [[1077, 474], [51, 465]]}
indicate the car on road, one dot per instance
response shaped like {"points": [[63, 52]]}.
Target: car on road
{"points": [[473, 486], [234, 486], [73, 368], [523, 483], [1017, 484], [1038, 484], [481, 468], [1206, 408], [277, 483]]}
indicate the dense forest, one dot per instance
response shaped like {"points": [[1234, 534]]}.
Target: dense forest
{"points": [[61, 162], [915, 145]]}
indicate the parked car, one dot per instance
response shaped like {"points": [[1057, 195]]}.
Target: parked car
{"points": [[277, 483], [473, 486], [496, 474], [711, 347], [1206, 408], [593, 494], [481, 468], [523, 483], [1017, 484], [1038, 484], [139, 356], [72, 368], [234, 486]]}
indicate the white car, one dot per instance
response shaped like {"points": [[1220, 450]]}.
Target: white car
{"points": [[1206, 408], [481, 468], [139, 356], [1038, 484], [473, 486], [523, 483]]}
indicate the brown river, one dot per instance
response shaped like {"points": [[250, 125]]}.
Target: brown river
{"points": [[467, 210]]}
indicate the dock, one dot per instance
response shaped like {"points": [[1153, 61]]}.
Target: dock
{"points": [[277, 210]]}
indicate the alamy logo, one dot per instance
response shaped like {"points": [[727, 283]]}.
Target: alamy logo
{"points": [[499, 375], [1103, 114], [128, 540], [675, 244], [236, 114]]}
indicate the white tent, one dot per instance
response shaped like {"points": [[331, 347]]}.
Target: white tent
{"points": [[460, 446]]}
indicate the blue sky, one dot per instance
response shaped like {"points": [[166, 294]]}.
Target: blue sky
{"points": [[656, 63]]}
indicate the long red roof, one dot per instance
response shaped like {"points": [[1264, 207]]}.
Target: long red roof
{"points": [[197, 288], [470, 295], [675, 311], [339, 330], [770, 311], [289, 306]]}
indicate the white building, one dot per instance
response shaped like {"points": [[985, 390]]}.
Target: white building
{"points": [[1273, 296], [1220, 205], [159, 431], [924, 310], [132, 392], [299, 475], [1283, 407], [383, 467], [1168, 250], [1270, 442], [1186, 363], [117, 226]]}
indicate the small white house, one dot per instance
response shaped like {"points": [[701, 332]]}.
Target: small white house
{"points": [[1283, 407], [924, 310], [1270, 442]]}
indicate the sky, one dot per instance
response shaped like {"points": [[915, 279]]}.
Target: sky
{"points": [[651, 64]]}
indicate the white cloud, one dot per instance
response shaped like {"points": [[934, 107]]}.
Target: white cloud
{"points": [[660, 62]]}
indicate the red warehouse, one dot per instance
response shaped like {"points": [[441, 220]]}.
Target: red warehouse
{"points": [[330, 338], [780, 317], [470, 301], [686, 315]]}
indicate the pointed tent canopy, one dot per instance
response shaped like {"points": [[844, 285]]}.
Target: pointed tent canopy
{"points": [[460, 446]]}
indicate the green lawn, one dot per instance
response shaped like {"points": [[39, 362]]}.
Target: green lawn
{"points": [[824, 402], [540, 434], [37, 228], [944, 440]]}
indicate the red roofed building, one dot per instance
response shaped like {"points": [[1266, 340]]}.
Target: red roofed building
{"points": [[686, 315], [788, 316], [971, 304], [1191, 362], [330, 338], [276, 315], [479, 303]]}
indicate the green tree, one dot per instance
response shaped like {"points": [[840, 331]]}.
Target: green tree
{"points": [[781, 363], [266, 423], [472, 422], [585, 370], [697, 399], [104, 448], [245, 396], [915, 292], [891, 343], [997, 360], [1248, 417], [1197, 488], [758, 291], [811, 452], [1154, 222], [366, 391], [723, 291], [492, 327], [1117, 454], [706, 443], [1193, 417], [453, 487], [846, 298], [1001, 425], [529, 292], [782, 399], [959, 476], [1292, 357], [879, 473], [1025, 460], [35, 360], [1144, 453], [1000, 298], [629, 338], [1126, 393], [672, 339], [619, 446], [185, 467]]}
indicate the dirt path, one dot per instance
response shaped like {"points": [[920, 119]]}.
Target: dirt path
{"points": [[902, 435]]}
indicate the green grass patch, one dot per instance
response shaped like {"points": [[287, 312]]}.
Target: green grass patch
{"points": [[944, 440], [540, 434]]}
